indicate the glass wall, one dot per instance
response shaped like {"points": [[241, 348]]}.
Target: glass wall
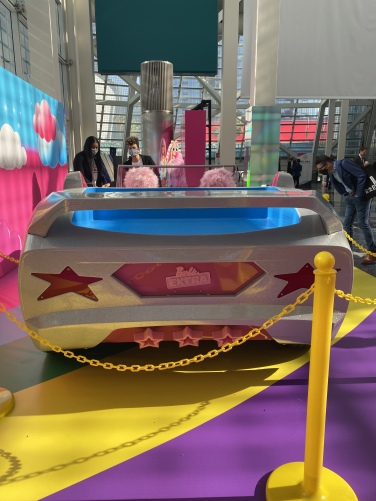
{"points": [[113, 94], [299, 118], [118, 100], [6, 40], [14, 40]]}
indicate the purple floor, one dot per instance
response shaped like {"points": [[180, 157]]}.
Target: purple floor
{"points": [[230, 457]]}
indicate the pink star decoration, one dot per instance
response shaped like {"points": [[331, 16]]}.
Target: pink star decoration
{"points": [[67, 281], [148, 338], [301, 279], [226, 335], [187, 337]]}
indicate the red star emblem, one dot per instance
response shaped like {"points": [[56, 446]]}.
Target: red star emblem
{"points": [[302, 279], [148, 338], [226, 335], [187, 337], [67, 281]]}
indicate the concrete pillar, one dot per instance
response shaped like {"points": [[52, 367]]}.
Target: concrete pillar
{"points": [[229, 81], [342, 134], [157, 109], [262, 128], [330, 127], [43, 46], [81, 73], [264, 72]]}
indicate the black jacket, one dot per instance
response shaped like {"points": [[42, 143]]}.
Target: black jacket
{"points": [[146, 160], [81, 163], [358, 161]]}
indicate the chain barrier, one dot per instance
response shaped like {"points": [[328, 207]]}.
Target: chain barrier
{"points": [[373, 254], [9, 258], [356, 299], [185, 361], [164, 365]]}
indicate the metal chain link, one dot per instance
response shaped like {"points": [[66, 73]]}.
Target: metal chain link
{"points": [[373, 254], [9, 258], [165, 365], [356, 299], [197, 358]]}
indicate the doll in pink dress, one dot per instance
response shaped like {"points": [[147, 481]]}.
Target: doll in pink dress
{"points": [[163, 161], [176, 175]]}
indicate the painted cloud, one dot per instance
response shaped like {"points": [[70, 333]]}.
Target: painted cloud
{"points": [[54, 152], [52, 146], [44, 122], [12, 153]]}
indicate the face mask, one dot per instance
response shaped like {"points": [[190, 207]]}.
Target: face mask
{"points": [[94, 151], [133, 152]]}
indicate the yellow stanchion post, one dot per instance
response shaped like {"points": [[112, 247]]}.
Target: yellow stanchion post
{"points": [[6, 402], [310, 480]]}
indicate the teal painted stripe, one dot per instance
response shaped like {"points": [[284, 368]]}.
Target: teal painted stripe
{"points": [[22, 365], [185, 34]]}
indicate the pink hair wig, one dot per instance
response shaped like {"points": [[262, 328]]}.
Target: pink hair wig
{"points": [[177, 160], [140, 177], [217, 178]]}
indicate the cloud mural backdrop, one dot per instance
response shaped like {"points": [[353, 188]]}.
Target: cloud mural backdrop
{"points": [[12, 153], [37, 120], [52, 146], [33, 156]]}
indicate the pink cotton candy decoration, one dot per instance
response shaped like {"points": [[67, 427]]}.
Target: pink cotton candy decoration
{"points": [[140, 177], [217, 178]]}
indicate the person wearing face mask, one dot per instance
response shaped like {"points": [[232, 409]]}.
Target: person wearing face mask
{"points": [[90, 164], [136, 159]]}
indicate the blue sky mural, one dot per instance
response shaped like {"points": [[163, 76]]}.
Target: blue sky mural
{"points": [[30, 120]]}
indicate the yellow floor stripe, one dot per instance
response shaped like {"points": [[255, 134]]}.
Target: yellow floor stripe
{"points": [[72, 427], [364, 287]]}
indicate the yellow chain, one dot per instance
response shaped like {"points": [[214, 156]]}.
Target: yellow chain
{"points": [[356, 299], [198, 358], [350, 297], [165, 365], [373, 254], [5, 256]]}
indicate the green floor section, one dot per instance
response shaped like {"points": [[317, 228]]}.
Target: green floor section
{"points": [[22, 365]]}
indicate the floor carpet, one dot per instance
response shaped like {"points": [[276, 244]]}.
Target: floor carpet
{"points": [[213, 431]]}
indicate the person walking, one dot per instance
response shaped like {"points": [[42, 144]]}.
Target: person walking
{"points": [[360, 158], [349, 180], [296, 172]]}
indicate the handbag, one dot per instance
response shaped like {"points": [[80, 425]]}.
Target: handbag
{"points": [[370, 187]]}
